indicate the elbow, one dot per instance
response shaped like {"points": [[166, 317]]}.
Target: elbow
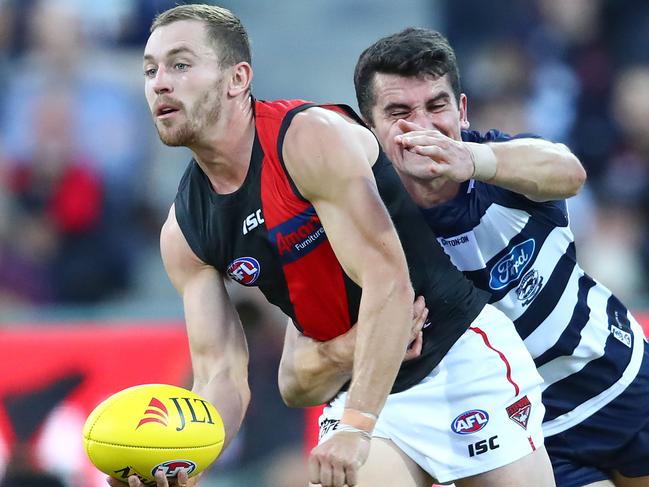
{"points": [[576, 177], [291, 395], [287, 391], [288, 388], [295, 395]]}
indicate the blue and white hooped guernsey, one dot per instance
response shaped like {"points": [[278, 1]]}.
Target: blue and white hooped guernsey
{"points": [[585, 343]]}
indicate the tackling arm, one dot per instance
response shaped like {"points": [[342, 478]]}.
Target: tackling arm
{"points": [[313, 372], [539, 169]]}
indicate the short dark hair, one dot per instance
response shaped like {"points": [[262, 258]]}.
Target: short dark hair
{"points": [[413, 52], [225, 30]]}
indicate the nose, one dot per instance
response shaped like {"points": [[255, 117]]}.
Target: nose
{"points": [[423, 118], [162, 82]]}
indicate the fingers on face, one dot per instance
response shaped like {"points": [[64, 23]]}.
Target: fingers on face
{"points": [[431, 151], [407, 126]]}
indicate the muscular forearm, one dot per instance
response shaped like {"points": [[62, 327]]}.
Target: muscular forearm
{"points": [[312, 372], [382, 336], [230, 396], [536, 168]]}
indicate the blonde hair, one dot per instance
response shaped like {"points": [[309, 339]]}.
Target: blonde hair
{"points": [[225, 30]]}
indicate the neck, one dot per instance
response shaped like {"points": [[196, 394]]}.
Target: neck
{"points": [[224, 155], [427, 193]]}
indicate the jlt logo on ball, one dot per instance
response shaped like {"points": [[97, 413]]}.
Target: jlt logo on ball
{"points": [[190, 410]]}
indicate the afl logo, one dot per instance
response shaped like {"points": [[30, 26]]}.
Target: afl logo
{"points": [[244, 270], [470, 422], [172, 467]]}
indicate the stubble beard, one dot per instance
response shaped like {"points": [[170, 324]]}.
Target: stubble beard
{"points": [[205, 112]]}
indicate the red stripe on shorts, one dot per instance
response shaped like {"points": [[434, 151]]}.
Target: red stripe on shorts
{"points": [[485, 338]]}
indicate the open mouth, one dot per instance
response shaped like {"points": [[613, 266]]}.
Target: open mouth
{"points": [[166, 111]]}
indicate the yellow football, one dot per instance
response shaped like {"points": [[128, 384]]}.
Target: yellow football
{"points": [[153, 426]]}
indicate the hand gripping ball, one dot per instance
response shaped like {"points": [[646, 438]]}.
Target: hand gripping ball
{"points": [[153, 426]]}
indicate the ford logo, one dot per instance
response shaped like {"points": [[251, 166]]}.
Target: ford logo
{"points": [[512, 265]]}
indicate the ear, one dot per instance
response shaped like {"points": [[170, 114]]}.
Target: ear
{"points": [[464, 114], [240, 79]]}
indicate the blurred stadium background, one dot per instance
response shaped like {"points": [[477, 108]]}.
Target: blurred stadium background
{"points": [[85, 306]]}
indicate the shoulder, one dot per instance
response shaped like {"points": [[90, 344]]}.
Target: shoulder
{"points": [[177, 255], [318, 128], [322, 145]]}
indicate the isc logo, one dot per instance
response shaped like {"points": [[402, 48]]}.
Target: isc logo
{"points": [[252, 221], [483, 446], [470, 422]]}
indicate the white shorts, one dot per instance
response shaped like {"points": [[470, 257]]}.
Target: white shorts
{"points": [[478, 410]]}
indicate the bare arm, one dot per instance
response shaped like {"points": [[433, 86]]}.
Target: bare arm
{"points": [[312, 372], [536, 168], [330, 161], [216, 339], [539, 169]]}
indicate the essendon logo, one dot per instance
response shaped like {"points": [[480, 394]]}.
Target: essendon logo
{"points": [[298, 236], [244, 270], [172, 467], [470, 422], [156, 412], [519, 412]]}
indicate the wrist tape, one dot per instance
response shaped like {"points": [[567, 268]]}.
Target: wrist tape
{"points": [[346, 428], [484, 160]]}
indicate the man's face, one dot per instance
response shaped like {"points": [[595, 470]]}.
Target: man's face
{"points": [[427, 101], [183, 82]]}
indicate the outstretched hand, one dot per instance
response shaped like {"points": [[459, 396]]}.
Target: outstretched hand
{"points": [[428, 154]]}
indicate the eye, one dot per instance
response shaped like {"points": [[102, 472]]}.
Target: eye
{"points": [[150, 72], [181, 66], [400, 114]]}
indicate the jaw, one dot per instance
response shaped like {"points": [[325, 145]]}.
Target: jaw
{"points": [[429, 192]]}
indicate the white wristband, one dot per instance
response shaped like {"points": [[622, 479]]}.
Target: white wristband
{"points": [[484, 160], [346, 428]]}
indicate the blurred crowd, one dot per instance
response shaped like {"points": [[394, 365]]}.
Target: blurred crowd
{"points": [[73, 145], [83, 192], [574, 71]]}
